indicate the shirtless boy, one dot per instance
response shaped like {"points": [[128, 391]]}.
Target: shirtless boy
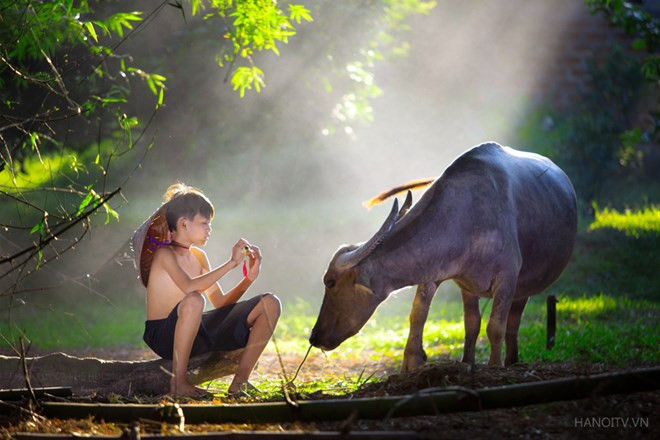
{"points": [[177, 326]]}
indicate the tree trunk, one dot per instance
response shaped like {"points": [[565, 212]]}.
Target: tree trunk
{"points": [[88, 375]]}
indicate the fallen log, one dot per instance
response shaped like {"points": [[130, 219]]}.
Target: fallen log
{"points": [[427, 402], [244, 435], [91, 375], [20, 393]]}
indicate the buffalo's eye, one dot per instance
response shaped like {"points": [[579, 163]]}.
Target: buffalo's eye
{"points": [[329, 284]]}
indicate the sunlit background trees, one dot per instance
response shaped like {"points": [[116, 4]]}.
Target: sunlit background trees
{"points": [[289, 115]]}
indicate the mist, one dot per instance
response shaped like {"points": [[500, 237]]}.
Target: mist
{"points": [[281, 178]]}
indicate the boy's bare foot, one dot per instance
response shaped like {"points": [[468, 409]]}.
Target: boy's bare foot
{"points": [[242, 390], [185, 389]]}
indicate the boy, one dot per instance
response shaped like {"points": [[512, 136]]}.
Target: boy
{"points": [[176, 326]]}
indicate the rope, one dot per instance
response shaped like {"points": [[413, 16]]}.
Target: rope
{"points": [[301, 364]]}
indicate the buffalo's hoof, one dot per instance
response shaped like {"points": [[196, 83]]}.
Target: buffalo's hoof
{"points": [[468, 360], [411, 363]]}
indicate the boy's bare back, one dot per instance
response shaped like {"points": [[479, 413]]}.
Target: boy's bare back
{"points": [[162, 293]]}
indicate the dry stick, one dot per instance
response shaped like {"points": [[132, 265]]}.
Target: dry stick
{"points": [[26, 373], [21, 409], [285, 382], [285, 387], [552, 322], [277, 350], [301, 364]]}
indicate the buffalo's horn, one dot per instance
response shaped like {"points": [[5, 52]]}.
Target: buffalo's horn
{"points": [[352, 258], [406, 206]]}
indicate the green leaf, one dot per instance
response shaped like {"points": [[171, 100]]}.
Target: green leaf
{"points": [[37, 227], [102, 26], [196, 5], [152, 85], [245, 77], [109, 212], [160, 97], [178, 5], [91, 31], [34, 139], [85, 202], [639, 44], [298, 12]]}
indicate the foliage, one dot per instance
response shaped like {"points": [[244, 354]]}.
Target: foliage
{"points": [[350, 71], [645, 31], [589, 140], [616, 253], [66, 90], [639, 24], [258, 25]]}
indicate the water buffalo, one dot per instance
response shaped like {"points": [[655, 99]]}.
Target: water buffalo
{"points": [[500, 223]]}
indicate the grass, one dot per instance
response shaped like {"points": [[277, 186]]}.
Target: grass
{"points": [[608, 312], [76, 326], [599, 328], [590, 329], [643, 222], [618, 253]]}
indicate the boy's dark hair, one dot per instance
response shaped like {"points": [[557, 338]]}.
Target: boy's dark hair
{"points": [[185, 201]]}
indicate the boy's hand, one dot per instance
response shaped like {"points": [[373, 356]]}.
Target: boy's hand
{"points": [[237, 251], [255, 257]]}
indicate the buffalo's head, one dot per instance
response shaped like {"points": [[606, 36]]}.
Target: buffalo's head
{"points": [[352, 290]]}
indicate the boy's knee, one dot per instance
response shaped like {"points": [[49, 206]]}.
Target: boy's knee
{"points": [[272, 304], [193, 303]]}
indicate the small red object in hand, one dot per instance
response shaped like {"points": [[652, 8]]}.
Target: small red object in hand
{"points": [[245, 268]]}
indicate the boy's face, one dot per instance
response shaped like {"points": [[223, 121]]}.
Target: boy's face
{"points": [[199, 229]]}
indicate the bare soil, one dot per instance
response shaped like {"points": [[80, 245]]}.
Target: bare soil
{"points": [[619, 416]]}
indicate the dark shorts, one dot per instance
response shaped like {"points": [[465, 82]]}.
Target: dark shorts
{"points": [[223, 329]]}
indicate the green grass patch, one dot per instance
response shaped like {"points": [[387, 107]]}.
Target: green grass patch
{"points": [[598, 328], [329, 385], [76, 326], [35, 172], [617, 252], [637, 223], [590, 329]]}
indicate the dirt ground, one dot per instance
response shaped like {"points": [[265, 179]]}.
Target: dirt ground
{"points": [[618, 416]]}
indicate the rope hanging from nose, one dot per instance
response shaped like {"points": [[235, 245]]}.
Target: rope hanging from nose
{"points": [[301, 364]]}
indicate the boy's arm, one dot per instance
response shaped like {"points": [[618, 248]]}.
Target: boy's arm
{"points": [[167, 261], [214, 293]]}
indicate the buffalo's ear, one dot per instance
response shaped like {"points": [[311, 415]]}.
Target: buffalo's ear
{"points": [[363, 276]]}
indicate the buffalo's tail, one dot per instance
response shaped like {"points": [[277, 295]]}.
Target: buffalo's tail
{"points": [[415, 184]]}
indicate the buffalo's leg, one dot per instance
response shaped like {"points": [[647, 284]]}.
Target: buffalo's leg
{"points": [[413, 355], [512, 326], [472, 321], [504, 288]]}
